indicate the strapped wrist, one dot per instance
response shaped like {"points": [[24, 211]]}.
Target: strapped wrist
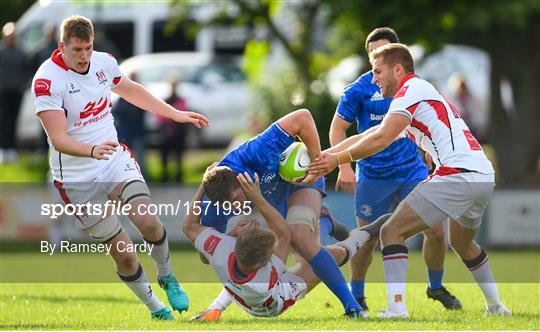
{"points": [[92, 152]]}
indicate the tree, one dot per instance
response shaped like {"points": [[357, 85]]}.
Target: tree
{"points": [[323, 31]]}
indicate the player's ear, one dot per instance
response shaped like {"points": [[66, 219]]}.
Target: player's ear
{"points": [[61, 45]]}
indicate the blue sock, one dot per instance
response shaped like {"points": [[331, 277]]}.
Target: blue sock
{"points": [[325, 227], [325, 267], [435, 278], [357, 287]]}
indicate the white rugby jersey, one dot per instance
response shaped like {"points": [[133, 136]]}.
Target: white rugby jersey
{"points": [[257, 293], [85, 99], [437, 128]]}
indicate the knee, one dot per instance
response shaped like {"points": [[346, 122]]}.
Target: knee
{"points": [[387, 234], [435, 234], [151, 229], [128, 263]]}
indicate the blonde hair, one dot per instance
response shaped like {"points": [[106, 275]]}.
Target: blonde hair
{"points": [[393, 54], [76, 26], [254, 246]]}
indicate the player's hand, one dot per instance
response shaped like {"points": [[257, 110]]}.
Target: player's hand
{"points": [[346, 181], [250, 186], [242, 225], [324, 164], [198, 120], [309, 179], [103, 150]]}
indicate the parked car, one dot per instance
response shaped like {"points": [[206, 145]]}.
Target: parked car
{"points": [[213, 86]]}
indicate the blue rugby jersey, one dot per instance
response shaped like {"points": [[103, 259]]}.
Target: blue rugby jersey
{"points": [[362, 102], [260, 155]]}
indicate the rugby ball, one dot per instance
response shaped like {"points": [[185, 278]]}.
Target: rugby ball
{"points": [[294, 162]]}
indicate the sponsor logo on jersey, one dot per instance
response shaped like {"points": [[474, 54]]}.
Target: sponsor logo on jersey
{"points": [[366, 210], [267, 178], [42, 87], [376, 117], [211, 244], [73, 89], [376, 96], [102, 78], [401, 92], [93, 108]]}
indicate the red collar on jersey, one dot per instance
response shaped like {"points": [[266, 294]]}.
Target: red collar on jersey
{"points": [[405, 79], [56, 57], [232, 274]]}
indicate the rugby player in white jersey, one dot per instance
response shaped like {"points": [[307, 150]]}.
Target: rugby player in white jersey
{"points": [[459, 189], [72, 95], [250, 260]]}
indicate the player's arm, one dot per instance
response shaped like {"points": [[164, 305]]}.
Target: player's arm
{"points": [[350, 141], [55, 124], [139, 96], [375, 141], [274, 219], [192, 227], [338, 133], [300, 123]]}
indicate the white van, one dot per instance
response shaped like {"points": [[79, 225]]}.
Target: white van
{"points": [[135, 27]]}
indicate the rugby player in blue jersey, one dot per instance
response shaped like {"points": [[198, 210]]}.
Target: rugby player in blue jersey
{"points": [[385, 178], [300, 204]]}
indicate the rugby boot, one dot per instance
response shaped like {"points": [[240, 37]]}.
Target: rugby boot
{"points": [[175, 294]]}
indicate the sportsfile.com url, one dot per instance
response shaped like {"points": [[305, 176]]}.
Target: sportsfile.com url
{"points": [[54, 211]]}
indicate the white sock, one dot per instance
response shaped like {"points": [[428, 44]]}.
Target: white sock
{"points": [[395, 263], [354, 242], [222, 301], [160, 254], [481, 271], [138, 283]]}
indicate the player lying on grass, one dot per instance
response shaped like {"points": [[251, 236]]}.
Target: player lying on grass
{"points": [[458, 190], [300, 205], [250, 261]]}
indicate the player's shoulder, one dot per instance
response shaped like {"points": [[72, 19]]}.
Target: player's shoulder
{"points": [[49, 77], [104, 58], [360, 84]]}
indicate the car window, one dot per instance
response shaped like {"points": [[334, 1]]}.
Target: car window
{"points": [[163, 73], [227, 72]]}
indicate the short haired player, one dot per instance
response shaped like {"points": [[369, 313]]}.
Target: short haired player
{"points": [[250, 260], [384, 179], [300, 205], [458, 190], [72, 95]]}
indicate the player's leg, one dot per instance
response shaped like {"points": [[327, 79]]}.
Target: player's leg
{"points": [[304, 207], [433, 247], [130, 271], [462, 234], [137, 195], [331, 228], [372, 199], [404, 223]]}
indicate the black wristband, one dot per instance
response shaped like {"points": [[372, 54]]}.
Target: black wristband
{"points": [[92, 152]]}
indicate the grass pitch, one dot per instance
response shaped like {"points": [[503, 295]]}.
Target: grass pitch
{"points": [[100, 306]]}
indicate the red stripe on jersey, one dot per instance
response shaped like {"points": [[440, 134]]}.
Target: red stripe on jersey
{"points": [[56, 57], [238, 298], [64, 195], [273, 278], [411, 109], [232, 274], [411, 136], [287, 304], [440, 109], [405, 79], [116, 80], [422, 127], [445, 170]]}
